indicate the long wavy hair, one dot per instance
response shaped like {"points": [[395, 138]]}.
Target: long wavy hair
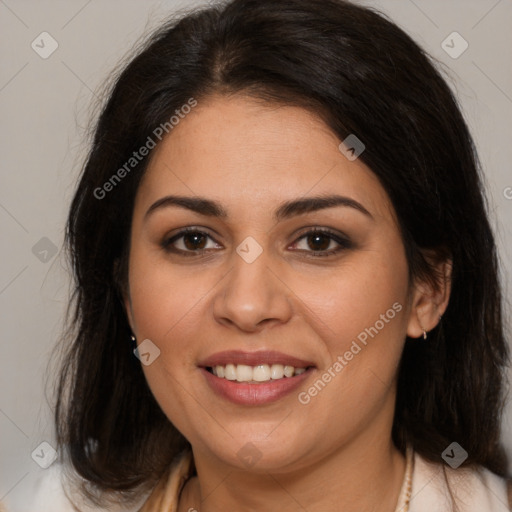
{"points": [[361, 74]]}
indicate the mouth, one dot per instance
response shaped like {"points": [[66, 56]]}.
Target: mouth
{"points": [[255, 378]]}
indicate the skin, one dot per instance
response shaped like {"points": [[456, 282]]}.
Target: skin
{"points": [[334, 453]]}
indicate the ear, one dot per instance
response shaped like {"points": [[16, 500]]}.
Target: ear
{"points": [[429, 300]]}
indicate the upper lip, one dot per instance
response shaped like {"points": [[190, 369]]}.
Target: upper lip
{"points": [[253, 359]]}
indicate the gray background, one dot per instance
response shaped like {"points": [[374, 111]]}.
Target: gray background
{"points": [[45, 108]]}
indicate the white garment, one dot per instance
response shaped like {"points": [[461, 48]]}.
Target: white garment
{"points": [[474, 491], [46, 494]]}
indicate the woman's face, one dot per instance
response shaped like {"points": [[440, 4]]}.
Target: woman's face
{"points": [[254, 277]]}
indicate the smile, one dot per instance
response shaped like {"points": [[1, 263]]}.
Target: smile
{"points": [[254, 378]]}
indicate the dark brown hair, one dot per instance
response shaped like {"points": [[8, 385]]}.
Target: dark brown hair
{"points": [[362, 75]]}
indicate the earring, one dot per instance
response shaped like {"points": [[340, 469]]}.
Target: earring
{"points": [[424, 334], [133, 338]]}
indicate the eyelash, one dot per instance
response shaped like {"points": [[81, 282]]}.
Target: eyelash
{"points": [[342, 242]]}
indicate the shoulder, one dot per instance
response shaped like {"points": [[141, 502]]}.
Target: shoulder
{"points": [[437, 486], [166, 495], [47, 492], [42, 492]]}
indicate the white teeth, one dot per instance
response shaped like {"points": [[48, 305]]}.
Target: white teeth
{"points": [[276, 371], [243, 373], [259, 373], [230, 372], [288, 371]]}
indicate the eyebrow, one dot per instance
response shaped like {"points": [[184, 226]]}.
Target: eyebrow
{"points": [[286, 210]]}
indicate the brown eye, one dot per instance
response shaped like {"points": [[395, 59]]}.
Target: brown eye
{"points": [[188, 242], [322, 242], [318, 242], [194, 241]]}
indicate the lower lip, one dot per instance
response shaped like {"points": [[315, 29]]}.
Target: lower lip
{"points": [[242, 393]]}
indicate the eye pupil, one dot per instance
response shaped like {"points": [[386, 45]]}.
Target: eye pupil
{"points": [[196, 239], [316, 237]]}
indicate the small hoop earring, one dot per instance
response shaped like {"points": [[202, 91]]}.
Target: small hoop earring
{"points": [[424, 334]]}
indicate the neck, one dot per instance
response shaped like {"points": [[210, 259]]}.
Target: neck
{"points": [[363, 476]]}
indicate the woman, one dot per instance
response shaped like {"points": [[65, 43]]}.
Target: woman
{"points": [[281, 303]]}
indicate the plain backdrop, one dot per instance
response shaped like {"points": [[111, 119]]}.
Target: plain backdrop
{"points": [[46, 105]]}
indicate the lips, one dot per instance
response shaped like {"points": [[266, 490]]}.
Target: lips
{"points": [[252, 393]]}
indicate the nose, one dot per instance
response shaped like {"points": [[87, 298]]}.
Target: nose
{"points": [[253, 295]]}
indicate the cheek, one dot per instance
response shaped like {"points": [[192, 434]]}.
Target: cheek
{"points": [[357, 300], [166, 298], [165, 302], [363, 323]]}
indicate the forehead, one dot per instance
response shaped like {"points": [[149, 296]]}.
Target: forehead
{"points": [[237, 149]]}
